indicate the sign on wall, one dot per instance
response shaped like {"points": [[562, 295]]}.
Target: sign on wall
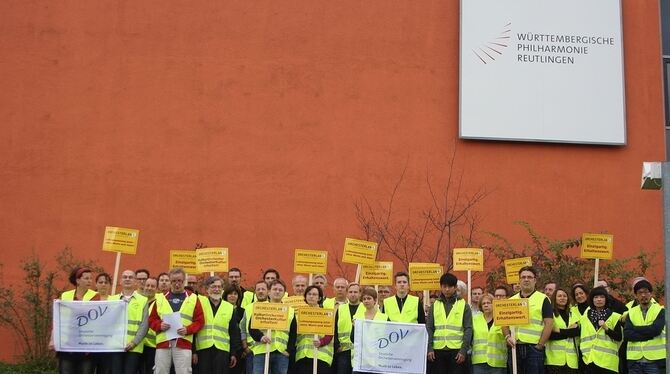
{"points": [[542, 70]]}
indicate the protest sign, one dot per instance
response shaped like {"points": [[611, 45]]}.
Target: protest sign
{"points": [[389, 347], [213, 259], [424, 276], [317, 321], [270, 316], [185, 259], [90, 326], [379, 274], [359, 252], [468, 259], [119, 239], [512, 267], [310, 261]]}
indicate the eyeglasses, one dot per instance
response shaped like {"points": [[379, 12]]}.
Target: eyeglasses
{"points": [[527, 277]]}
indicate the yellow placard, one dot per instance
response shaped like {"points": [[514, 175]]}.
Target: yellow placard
{"points": [[379, 274], [296, 302], [310, 261], [273, 316], [119, 239], [597, 246], [316, 321], [424, 276], [359, 252], [511, 312], [211, 259], [185, 259], [512, 267], [468, 259]]}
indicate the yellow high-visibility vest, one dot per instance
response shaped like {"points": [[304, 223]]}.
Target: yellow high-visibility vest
{"points": [[448, 329], [134, 310], [596, 346], [531, 333], [410, 309], [563, 352], [344, 325], [69, 295], [653, 349], [215, 331], [488, 346], [186, 312]]}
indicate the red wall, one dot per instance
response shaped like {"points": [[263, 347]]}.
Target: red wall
{"points": [[256, 125]]}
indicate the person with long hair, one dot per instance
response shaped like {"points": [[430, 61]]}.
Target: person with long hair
{"points": [[600, 335], [561, 349], [306, 343], [489, 349]]}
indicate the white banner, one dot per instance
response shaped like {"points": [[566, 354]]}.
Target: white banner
{"points": [[89, 326], [390, 347], [542, 70]]}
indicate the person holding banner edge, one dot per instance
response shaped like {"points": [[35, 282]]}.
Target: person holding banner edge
{"points": [[76, 362], [531, 338], [404, 307], [176, 351], [129, 361], [449, 327], [370, 312]]}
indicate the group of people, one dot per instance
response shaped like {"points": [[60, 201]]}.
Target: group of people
{"points": [[570, 330]]}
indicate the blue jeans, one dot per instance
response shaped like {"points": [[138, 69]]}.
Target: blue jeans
{"points": [[486, 369], [529, 360], [641, 367], [250, 363], [278, 363]]}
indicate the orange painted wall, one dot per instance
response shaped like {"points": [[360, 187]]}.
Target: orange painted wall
{"points": [[255, 125]]}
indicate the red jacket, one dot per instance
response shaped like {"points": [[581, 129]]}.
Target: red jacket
{"points": [[196, 323]]}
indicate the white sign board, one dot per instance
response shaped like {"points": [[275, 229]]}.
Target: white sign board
{"points": [[542, 70], [389, 347], [89, 326]]}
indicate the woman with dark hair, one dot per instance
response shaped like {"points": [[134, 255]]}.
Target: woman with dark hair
{"points": [[76, 362], [232, 294], [561, 350], [308, 343], [600, 334], [580, 296], [103, 282]]}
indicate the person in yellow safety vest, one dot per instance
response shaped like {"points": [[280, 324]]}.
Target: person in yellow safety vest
{"points": [[370, 311], [343, 327], [634, 302], [404, 307], [77, 362], [449, 326], [219, 338], [489, 351], [531, 338], [299, 284], [141, 276], [175, 352], [600, 334], [561, 349], [644, 329], [231, 294], [308, 343], [129, 361], [501, 293], [340, 285], [163, 283], [149, 353], [277, 342], [260, 296], [383, 292]]}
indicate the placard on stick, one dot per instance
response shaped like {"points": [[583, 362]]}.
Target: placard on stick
{"points": [[317, 321], [211, 259], [359, 252], [119, 239], [512, 267], [185, 259], [424, 276], [597, 246], [270, 316], [310, 261], [511, 312], [296, 302], [379, 274], [468, 259]]}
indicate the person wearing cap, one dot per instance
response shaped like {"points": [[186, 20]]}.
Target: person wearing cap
{"points": [[634, 302], [449, 327], [530, 339], [644, 329], [176, 351], [77, 362], [219, 338], [600, 334], [404, 307]]}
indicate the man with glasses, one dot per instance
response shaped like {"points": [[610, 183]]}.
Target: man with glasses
{"points": [[531, 338], [500, 293], [186, 304], [141, 276], [220, 336], [643, 328]]}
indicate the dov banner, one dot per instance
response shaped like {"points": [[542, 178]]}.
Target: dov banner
{"points": [[389, 347], [89, 326]]}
